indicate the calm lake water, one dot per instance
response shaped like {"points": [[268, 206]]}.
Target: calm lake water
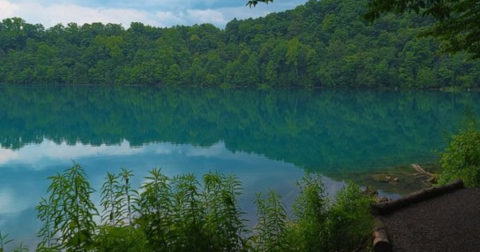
{"points": [[266, 138]]}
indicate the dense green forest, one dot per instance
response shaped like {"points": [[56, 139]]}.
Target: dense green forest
{"points": [[322, 43]]}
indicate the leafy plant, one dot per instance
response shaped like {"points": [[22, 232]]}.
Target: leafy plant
{"points": [[187, 216], [461, 158], [126, 198], [311, 210], [4, 241], [20, 248], [47, 232], [154, 207], [272, 224], [350, 222], [121, 239], [225, 227], [182, 214], [68, 214], [111, 202]]}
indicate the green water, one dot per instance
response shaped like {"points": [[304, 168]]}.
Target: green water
{"points": [[267, 138]]}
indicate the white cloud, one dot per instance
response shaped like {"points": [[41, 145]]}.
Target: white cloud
{"points": [[216, 150], [168, 19], [9, 203], [7, 9], [6, 155], [67, 13], [207, 16], [162, 13], [33, 154]]}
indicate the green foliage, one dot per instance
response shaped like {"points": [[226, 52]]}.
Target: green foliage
{"points": [[125, 197], [182, 214], [187, 215], [321, 224], [255, 2], [111, 202], [154, 206], [20, 248], [225, 229], [121, 239], [318, 44], [456, 21], [272, 224], [311, 211], [461, 158], [350, 221], [4, 241], [68, 214]]}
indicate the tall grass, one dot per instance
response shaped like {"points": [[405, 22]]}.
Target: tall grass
{"points": [[186, 214]]}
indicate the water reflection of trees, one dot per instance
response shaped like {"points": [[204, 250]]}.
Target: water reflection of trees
{"points": [[323, 129]]}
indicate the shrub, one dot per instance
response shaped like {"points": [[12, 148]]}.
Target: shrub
{"points": [[350, 222], [68, 213], [272, 224], [183, 214], [311, 209], [461, 158], [120, 239]]}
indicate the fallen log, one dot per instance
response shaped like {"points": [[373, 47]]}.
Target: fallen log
{"points": [[420, 170], [432, 178], [380, 236], [386, 207]]}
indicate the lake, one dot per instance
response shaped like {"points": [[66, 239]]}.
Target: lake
{"points": [[267, 138]]}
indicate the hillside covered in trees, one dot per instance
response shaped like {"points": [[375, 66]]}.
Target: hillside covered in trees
{"points": [[320, 44]]}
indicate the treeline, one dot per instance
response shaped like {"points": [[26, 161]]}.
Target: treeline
{"points": [[322, 43]]}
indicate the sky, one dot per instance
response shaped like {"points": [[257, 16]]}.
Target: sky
{"points": [[159, 13]]}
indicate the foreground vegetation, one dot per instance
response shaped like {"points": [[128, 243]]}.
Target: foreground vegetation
{"points": [[461, 159], [320, 44], [184, 214]]}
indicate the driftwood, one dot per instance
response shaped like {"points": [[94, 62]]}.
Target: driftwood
{"points": [[380, 236], [432, 178], [385, 207], [421, 170]]}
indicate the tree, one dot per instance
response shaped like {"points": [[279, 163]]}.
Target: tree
{"points": [[456, 23], [255, 2]]}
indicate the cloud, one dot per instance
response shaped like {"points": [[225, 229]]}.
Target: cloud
{"points": [[161, 13], [207, 16], [168, 19], [48, 150], [9, 203], [7, 9], [66, 13]]}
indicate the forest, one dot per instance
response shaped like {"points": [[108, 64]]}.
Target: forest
{"points": [[320, 44]]}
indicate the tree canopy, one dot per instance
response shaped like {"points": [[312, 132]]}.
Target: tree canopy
{"points": [[319, 44], [457, 21], [255, 2]]}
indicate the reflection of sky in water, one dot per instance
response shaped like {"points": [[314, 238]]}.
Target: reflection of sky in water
{"points": [[24, 172]]}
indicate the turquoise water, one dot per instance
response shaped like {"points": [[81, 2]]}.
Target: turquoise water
{"points": [[267, 138]]}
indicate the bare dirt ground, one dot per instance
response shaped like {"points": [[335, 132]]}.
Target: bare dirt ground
{"points": [[450, 222]]}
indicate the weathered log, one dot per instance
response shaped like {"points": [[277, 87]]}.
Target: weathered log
{"points": [[385, 207], [432, 178], [380, 236], [420, 170]]}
